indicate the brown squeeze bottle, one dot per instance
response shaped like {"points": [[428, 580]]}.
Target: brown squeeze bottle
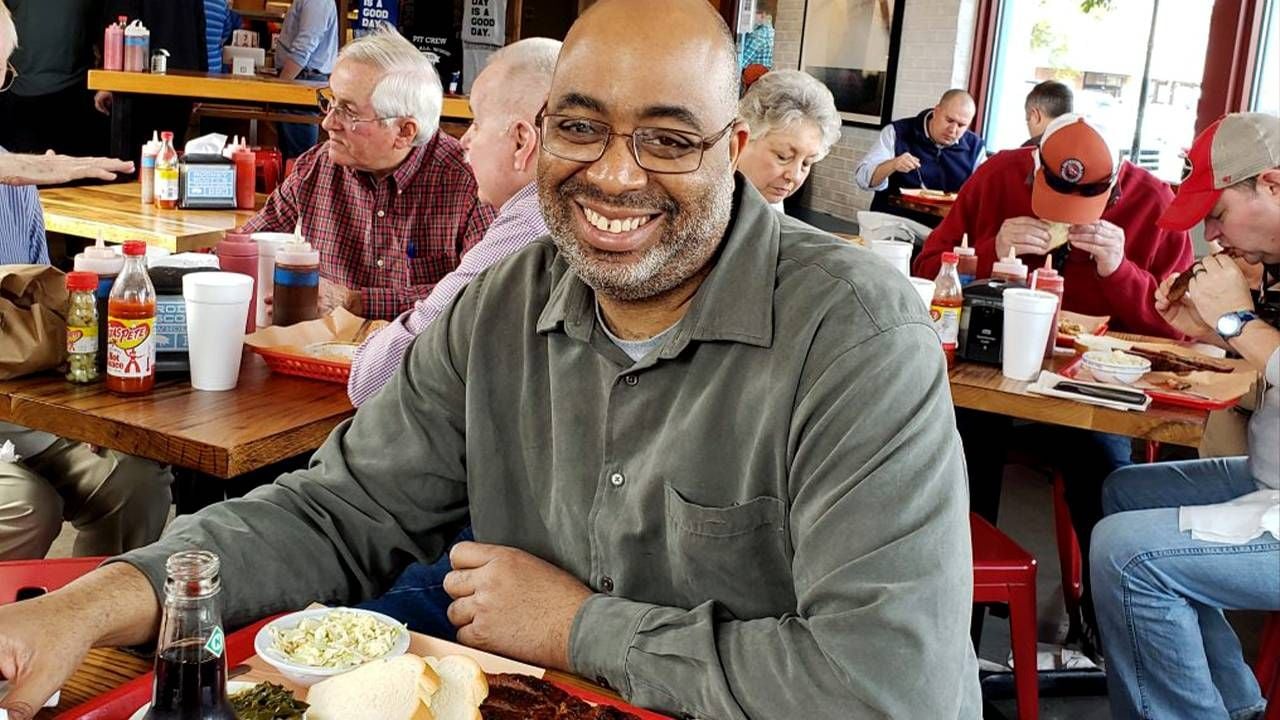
{"points": [[296, 297], [191, 662]]}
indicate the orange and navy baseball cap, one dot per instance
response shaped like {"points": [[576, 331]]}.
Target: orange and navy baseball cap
{"points": [[1075, 171], [1234, 148]]}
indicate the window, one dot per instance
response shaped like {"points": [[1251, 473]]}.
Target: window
{"points": [[1266, 79], [1105, 51]]}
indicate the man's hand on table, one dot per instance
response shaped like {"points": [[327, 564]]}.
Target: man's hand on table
{"points": [[334, 296], [1024, 236], [51, 169], [1103, 240], [512, 603], [43, 640]]}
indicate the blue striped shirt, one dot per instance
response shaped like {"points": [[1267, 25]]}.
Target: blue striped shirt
{"points": [[309, 35], [219, 21], [21, 226]]}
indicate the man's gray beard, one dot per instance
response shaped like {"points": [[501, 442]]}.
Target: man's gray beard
{"points": [[681, 252]]}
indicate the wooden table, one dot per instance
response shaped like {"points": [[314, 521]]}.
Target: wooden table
{"points": [[116, 212], [258, 90], [981, 387], [268, 418]]}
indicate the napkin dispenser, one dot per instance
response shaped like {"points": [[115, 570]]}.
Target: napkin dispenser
{"points": [[207, 182], [171, 312], [982, 320]]}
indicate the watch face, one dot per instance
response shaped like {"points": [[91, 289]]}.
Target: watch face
{"points": [[1229, 325]]}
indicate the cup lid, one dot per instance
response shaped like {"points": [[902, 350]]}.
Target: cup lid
{"points": [[1035, 301], [217, 287]]}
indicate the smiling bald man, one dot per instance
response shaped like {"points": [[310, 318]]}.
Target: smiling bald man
{"points": [[708, 452]]}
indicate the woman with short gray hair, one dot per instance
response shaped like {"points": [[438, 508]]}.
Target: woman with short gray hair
{"points": [[794, 123]]}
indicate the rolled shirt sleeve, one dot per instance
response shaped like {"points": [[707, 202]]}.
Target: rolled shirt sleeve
{"points": [[882, 613], [881, 151], [314, 22]]}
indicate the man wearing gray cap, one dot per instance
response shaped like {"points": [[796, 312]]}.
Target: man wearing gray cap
{"points": [[1184, 540]]}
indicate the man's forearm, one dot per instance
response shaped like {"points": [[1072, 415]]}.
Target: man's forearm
{"points": [[118, 600], [882, 171], [290, 70], [1257, 343]]}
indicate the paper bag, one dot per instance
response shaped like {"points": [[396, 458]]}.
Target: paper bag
{"points": [[33, 328]]}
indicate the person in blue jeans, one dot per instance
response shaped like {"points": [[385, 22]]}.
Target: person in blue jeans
{"points": [[1180, 542], [418, 599]]}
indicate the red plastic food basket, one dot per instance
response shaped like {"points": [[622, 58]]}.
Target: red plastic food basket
{"points": [[307, 367]]}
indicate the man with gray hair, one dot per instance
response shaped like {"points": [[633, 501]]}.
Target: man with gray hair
{"points": [[1046, 102], [389, 200], [501, 147]]}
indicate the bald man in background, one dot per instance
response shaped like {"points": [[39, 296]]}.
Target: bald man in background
{"points": [[700, 467], [934, 150]]}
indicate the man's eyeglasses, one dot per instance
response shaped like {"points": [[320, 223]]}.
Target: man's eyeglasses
{"points": [[658, 150], [11, 74], [327, 104]]}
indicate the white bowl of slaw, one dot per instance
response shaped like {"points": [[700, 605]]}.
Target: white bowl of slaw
{"points": [[349, 639]]}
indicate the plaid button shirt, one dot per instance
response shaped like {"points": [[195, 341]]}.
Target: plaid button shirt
{"points": [[393, 238]]}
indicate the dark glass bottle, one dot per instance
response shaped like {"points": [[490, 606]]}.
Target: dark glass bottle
{"points": [[191, 665]]}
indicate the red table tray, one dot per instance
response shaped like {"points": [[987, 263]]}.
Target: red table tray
{"points": [[1168, 398], [126, 699]]}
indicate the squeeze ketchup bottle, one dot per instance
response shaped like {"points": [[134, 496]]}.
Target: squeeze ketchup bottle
{"points": [[131, 325], [1049, 280]]}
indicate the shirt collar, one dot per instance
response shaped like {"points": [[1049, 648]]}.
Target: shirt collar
{"points": [[409, 167], [522, 196], [734, 303]]}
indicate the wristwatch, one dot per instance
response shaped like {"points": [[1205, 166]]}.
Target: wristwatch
{"points": [[1232, 324]]}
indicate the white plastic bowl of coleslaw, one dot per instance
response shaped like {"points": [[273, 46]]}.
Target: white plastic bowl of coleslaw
{"points": [[310, 645]]}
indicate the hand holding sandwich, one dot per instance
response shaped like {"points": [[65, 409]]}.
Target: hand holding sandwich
{"points": [[1024, 235], [512, 603], [1217, 287], [1102, 240]]}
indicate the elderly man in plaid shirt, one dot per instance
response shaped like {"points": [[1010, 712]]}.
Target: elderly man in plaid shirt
{"points": [[389, 200], [502, 149]]}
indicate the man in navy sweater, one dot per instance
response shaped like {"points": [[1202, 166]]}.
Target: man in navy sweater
{"points": [[934, 150]]}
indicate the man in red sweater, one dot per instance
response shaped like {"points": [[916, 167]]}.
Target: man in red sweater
{"points": [[1113, 259], [1111, 265]]}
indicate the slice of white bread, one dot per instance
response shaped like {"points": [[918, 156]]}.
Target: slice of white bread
{"points": [[462, 688], [391, 689]]}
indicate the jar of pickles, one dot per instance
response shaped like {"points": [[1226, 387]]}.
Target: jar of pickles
{"points": [[82, 327]]}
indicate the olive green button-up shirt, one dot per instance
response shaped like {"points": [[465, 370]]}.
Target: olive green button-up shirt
{"points": [[771, 507]]}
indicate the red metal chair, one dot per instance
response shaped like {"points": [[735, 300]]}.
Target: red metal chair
{"points": [[22, 579], [1005, 573]]}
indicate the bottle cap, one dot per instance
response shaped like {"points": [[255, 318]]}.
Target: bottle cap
{"points": [[80, 280], [298, 253], [950, 258], [134, 248], [237, 245], [963, 248], [99, 259], [166, 136]]}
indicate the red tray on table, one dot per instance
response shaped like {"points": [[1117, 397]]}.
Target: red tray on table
{"points": [[125, 700], [1170, 398], [307, 367]]}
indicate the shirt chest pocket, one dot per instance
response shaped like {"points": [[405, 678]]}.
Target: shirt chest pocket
{"points": [[737, 555], [427, 265]]}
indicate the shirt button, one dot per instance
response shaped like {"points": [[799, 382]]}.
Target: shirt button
{"points": [[606, 584], [632, 380], [617, 480], [603, 682], [379, 262], [382, 213]]}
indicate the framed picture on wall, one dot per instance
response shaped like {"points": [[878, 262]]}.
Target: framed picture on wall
{"points": [[852, 47]]}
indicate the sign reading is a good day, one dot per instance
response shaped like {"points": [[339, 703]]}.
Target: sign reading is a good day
{"points": [[486, 22]]}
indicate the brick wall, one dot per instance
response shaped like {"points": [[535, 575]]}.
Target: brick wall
{"points": [[937, 38]]}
